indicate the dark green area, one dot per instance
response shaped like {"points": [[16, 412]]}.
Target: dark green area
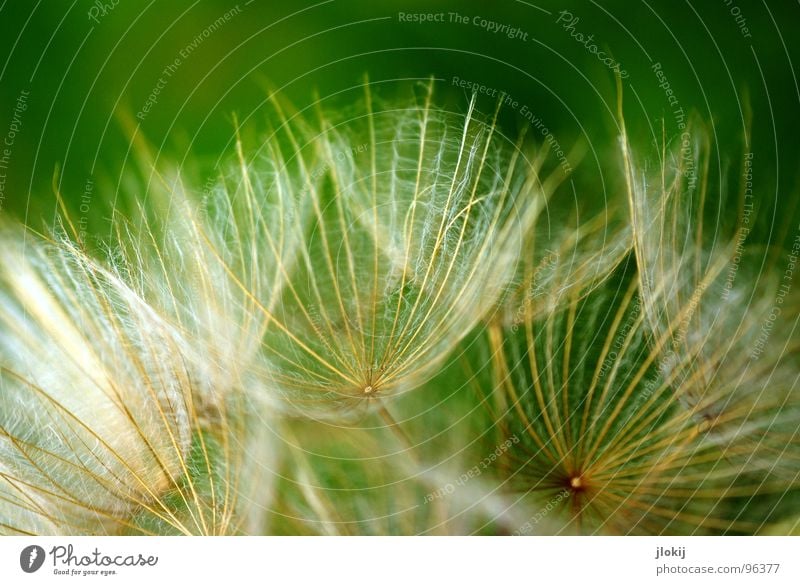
{"points": [[85, 78]]}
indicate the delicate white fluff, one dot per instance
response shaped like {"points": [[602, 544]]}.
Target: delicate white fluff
{"points": [[94, 401], [709, 296]]}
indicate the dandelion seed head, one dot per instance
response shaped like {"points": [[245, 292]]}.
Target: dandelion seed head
{"points": [[360, 251], [94, 413]]}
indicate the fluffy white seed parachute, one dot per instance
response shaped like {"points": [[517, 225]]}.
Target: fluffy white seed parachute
{"points": [[411, 221], [604, 445], [711, 301], [343, 258], [213, 259], [94, 398], [415, 227]]}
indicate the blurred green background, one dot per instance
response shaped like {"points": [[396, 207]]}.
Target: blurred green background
{"points": [[88, 66]]}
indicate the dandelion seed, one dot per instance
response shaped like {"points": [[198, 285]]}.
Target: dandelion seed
{"points": [[95, 409], [707, 294], [596, 415], [362, 250], [101, 426]]}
